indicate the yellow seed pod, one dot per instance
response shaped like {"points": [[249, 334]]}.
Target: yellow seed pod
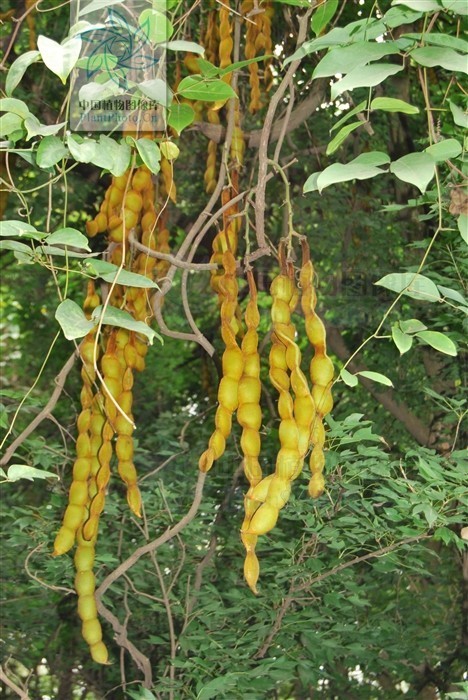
{"points": [[251, 570], [228, 393], [260, 491], [279, 378], [287, 462], [91, 630], [84, 420], [316, 485], [127, 380], [252, 469], [130, 354], [91, 228], [105, 453], [111, 366], [317, 436], [321, 370], [206, 460], [124, 448], [78, 495], [101, 222], [115, 197], [278, 492], [84, 558], [126, 401], [99, 653], [223, 420], [323, 399], [116, 235], [288, 434], [277, 357], [127, 472], [133, 201], [304, 410], [85, 584], [317, 460], [250, 389], [87, 609], [285, 405], [233, 362], [64, 541], [217, 443], [81, 469], [263, 520], [250, 442], [141, 180], [280, 311], [112, 387], [102, 478], [123, 426], [134, 500], [315, 331], [97, 423], [282, 288], [249, 415], [83, 445]]}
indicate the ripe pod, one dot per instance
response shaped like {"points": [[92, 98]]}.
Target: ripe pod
{"points": [[316, 485], [125, 401], [124, 448], [223, 420], [217, 443], [251, 570], [263, 520], [81, 469], [78, 493], [250, 442], [316, 332], [64, 541], [84, 558], [321, 370], [233, 363], [85, 583], [279, 492], [111, 366], [228, 393], [323, 399], [317, 460], [87, 609], [84, 421], [249, 415], [123, 426], [99, 653], [73, 517], [133, 201], [134, 500], [91, 631], [105, 453], [250, 389]]}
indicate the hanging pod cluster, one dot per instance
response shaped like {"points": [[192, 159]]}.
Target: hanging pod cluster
{"points": [[133, 209], [302, 402]]}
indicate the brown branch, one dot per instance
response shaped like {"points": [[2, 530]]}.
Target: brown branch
{"points": [[155, 544], [294, 589], [16, 689], [46, 411], [400, 411]]}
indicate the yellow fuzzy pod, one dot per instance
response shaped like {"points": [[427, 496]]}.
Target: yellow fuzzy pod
{"points": [[123, 426], [131, 355], [105, 453], [97, 423], [277, 357], [147, 224], [141, 180], [252, 469], [250, 389], [223, 420], [228, 393], [102, 477], [133, 201], [115, 197], [111, 366], [304, 409], [87, 609], [323, 399], [288, 434], [85, 584], [127, 472], [321, 370], [84, 421], [134, 500], [99, 653], [217, 443], [280, 311], [87, 351], [285, 405], [282, 288], [112, 386], [206, 460], [250, 442], [279, 378], [127, 379], [316, 332], [316, 485], [84, 558], [259, 492], [287, 462], [125, 401], [124, 448], [278, 492], [91, 630], [317, 460], [317, 435], [233, 362], [252, 361], [91, 228], [96, 442], [64, 541], [249, 415], [251, 571], [263, 520], [101, 222], [78, 495], [81, 469], [73, 517], [107, 432]]}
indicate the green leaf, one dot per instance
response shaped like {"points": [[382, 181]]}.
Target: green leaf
{"points": [[392, 104], [345, 59], [341, 137], [110, 273], [117, 154], [396, 16], [180, 117], [444, 150], [412, 325], [322, 15], [348, 378], [462, 223], [415, 168], [157, 90], [401, 340], [436, 56], [196, 87], [458, 6], [11, 104], [430, 514], [452, 294], [157, 27], [459, 116], [82, 150], [122, 319], [347, 115], [420, 5], [241, 64], [68, 236], [438, 39], [24, 471], [9, 123], [149, 153], [372, 158], [50, 151], [35, 128], [72, 320], [339, 172], [17, 247], [376, 377], [364, 76], [413, 285], [182, 45], [18, 69], [59, 58], [439, 341], [21, 229]]}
